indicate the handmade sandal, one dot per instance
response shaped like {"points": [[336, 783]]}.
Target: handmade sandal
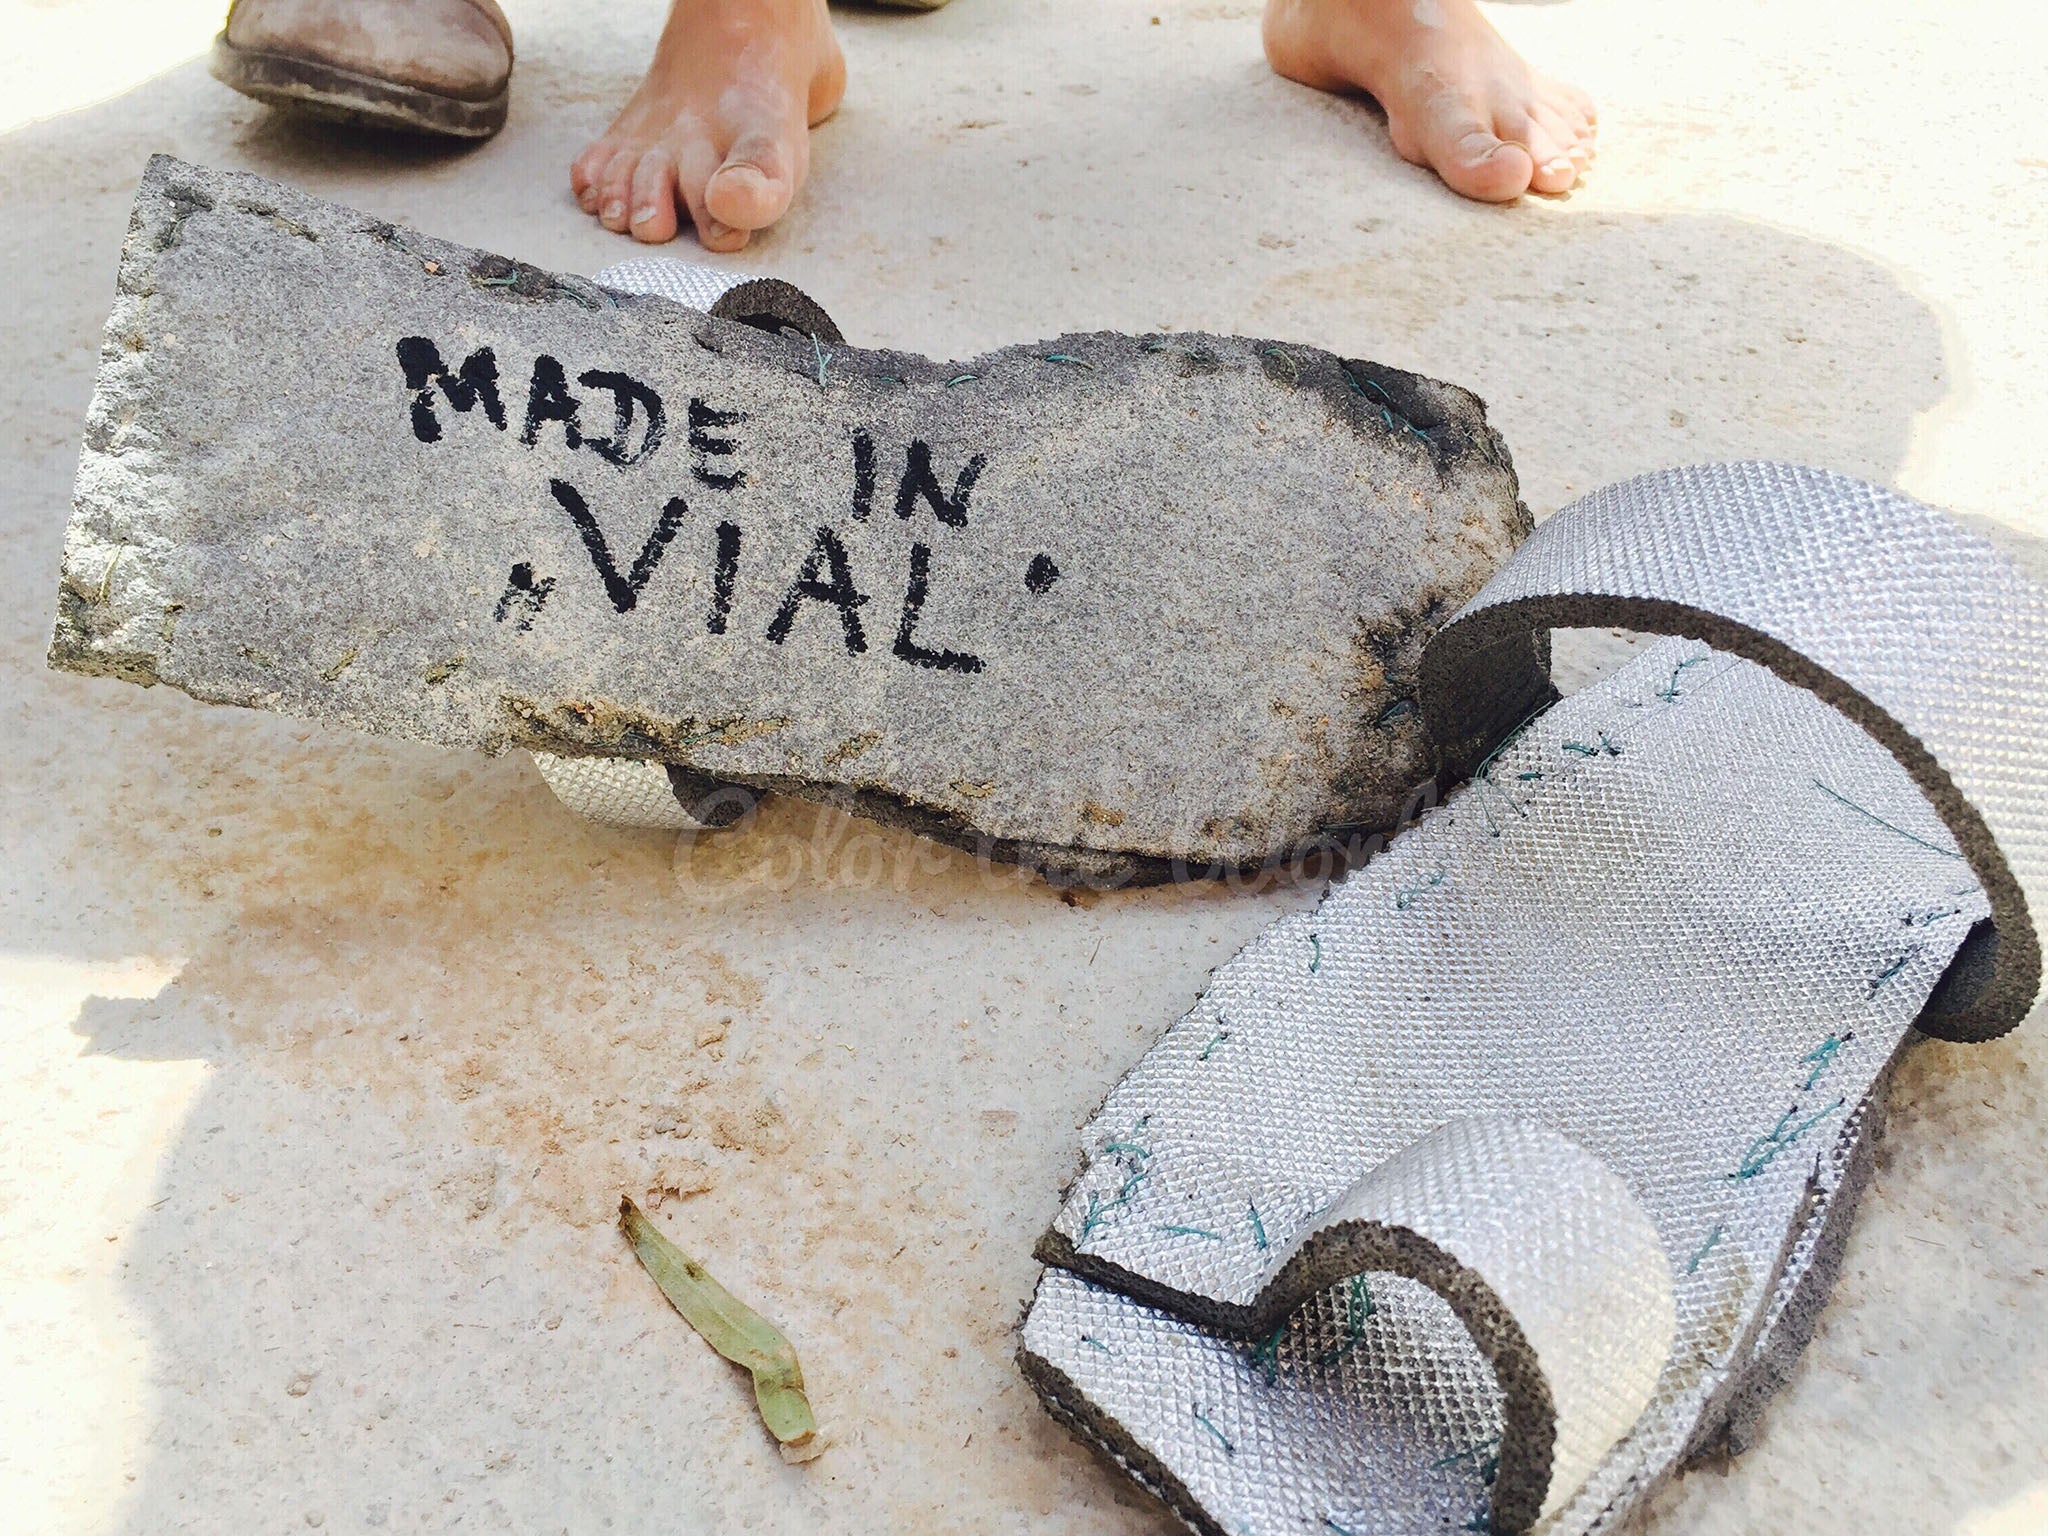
{"points": [[1119, 608], [1511, 1178]]}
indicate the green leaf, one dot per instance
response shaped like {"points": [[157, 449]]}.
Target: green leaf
{"points": [[732, 1328]]}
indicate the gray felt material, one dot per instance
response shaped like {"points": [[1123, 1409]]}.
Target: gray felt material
{"points": [[1118, 606], [1685, 920]]}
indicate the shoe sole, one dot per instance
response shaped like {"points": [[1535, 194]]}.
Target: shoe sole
{"points": [[333, 94]]}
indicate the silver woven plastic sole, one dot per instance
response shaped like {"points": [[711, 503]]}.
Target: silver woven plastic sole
{"points": [[1682, 923], [626, 792]]}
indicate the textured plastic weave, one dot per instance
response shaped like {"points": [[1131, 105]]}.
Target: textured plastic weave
{"points": [[1685, 920], [1918, 629]]}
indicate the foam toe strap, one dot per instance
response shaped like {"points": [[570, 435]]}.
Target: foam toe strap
{"points": [[1913, 626], [1547, 1259]]}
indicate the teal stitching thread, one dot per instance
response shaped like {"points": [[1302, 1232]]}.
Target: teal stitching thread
{"points": [[1878, 982], [1287, 357], [1492, 826], [1371, 391], [1214, 1237], [1823, 1056], [1099, 1210], [427, 263], [1486, 1449], [1704, 1249], [1397, 710], [1097, 1213], [1606, 746], [1402, 899], [1486, 763], [1483, 774], [1533, 773], [962, 378], [1391, 416], [555, 285], [1341, 1530], [1486, 806], [609, 301], [1259, 1230], [1315, 962], [1193, 354], [1669, 692], [1358, 1306], [1929, 919], [824, 356], [1266, 1354], [1221, 1438], [1069, 359], [1765, 1148], [1215, 1040], [1834, 794], [1094, 1343]]}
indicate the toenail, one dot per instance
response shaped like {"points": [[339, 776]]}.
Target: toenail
{"points": [[615, 210], [642, 214], [1561, 163]]}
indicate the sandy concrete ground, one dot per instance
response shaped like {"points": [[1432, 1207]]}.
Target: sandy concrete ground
{"points": [[327, 1057]]}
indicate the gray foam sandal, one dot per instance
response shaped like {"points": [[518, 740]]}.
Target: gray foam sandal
{"points": [[1117, 607]]}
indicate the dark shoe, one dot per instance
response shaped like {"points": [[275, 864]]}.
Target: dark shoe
{"points": [[417, 66]]}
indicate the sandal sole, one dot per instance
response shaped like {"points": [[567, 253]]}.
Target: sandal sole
{"points": [[334, 94]]}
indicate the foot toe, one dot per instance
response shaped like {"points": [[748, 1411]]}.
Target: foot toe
{"points": [[721, 238], [1473, 159], [1553, 176], [1574, 142], [586, 172], [1560, 111], [1549, 149], [652, 215], [615, 189], [1469, 152], [753, 187], [1485, 167], [714, 234]]}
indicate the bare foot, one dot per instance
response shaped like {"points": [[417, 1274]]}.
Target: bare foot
{"points": [[1458, 99], [719, 131]]}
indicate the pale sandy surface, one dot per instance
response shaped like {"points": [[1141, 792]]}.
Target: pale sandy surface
{"points": [[326, 1058]]}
